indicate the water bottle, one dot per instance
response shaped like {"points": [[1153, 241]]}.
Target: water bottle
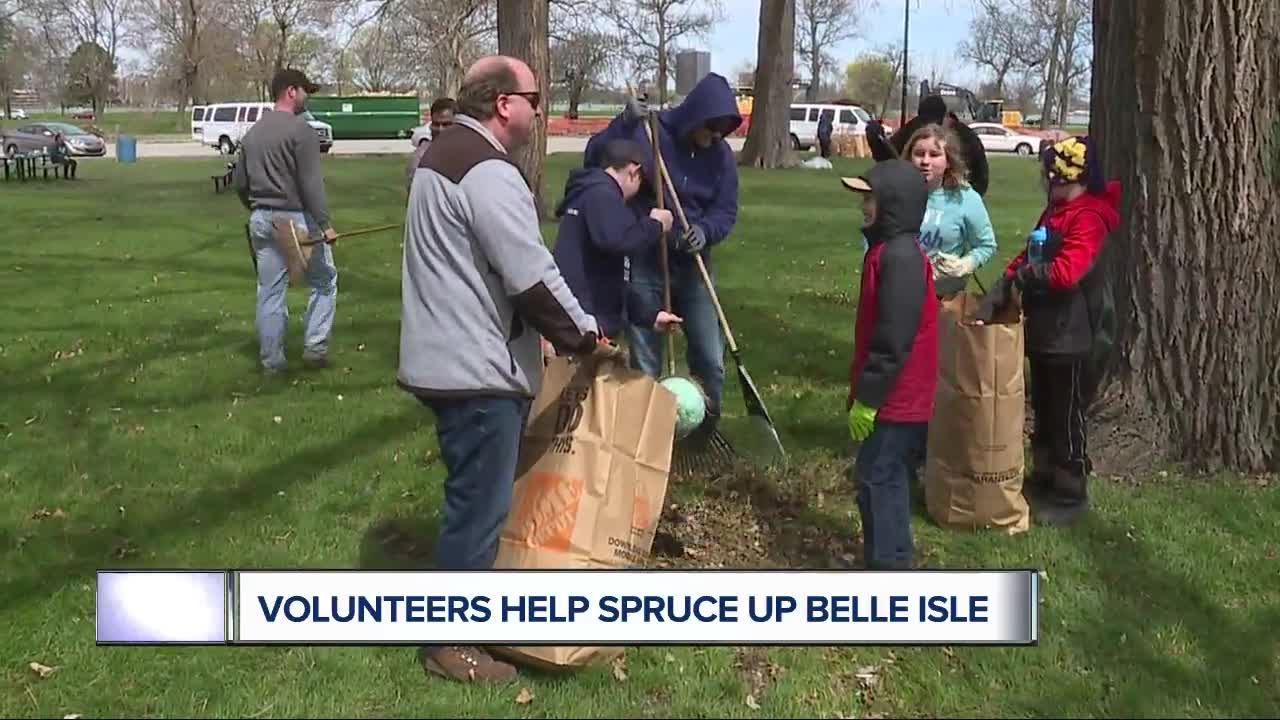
{"points": [[1036, 245]]}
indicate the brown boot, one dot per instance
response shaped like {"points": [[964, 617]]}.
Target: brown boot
{"points": [[466, 664]]}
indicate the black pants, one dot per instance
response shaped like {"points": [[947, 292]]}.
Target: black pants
{"points": [[1060, 436], [885, 471]]}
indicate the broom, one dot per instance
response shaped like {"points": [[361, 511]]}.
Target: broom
{"points": [[756, 409]]}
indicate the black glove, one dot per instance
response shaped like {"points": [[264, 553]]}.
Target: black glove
{"points": [[694, 239], [995, 301], [1030, 278]]}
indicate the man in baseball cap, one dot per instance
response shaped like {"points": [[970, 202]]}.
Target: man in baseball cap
{"points": [[281, 182]]}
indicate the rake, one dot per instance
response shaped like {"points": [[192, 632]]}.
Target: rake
{"points": [[297, 247], [756, 409]]}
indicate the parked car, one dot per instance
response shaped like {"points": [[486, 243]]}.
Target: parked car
{"points": [[421, 134], [845, 119], [998, 138], [223, 125], [36, 137], [18, 114]]}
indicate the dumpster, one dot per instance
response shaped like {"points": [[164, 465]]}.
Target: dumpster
{"points": [[126, 149], [367, 116]]}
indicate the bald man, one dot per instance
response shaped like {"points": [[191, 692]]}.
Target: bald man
{"points": [[478, 289]]}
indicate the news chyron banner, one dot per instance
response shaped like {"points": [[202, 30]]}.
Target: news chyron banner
{"points": [[567, 607]]}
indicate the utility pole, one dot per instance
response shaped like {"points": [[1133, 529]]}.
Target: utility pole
{"points": [[906, 25]]}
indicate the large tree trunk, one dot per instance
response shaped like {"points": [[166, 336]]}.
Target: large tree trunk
{"points": [[1186, 100], [523, 33], [769, 139]]}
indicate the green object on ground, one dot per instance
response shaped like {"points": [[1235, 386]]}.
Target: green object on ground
{"points": [[364, 117], [691, 404]]}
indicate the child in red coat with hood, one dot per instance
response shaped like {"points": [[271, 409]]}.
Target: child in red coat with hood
{"points": [[1065, 299]]}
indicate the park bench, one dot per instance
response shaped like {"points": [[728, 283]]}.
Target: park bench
{"points": [[222, 181]]}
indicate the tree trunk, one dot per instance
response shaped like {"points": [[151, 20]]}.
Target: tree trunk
{"points": [[769, 139], [1195, 258], [576, 87], [815, 63], [1054, 50], [523, 33], [662, 59]]}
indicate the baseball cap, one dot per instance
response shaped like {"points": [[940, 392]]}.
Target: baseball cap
{"points": [[289, 77], [856, 184]]}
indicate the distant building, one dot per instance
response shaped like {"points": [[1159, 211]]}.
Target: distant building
{"points": [[691, 66]]}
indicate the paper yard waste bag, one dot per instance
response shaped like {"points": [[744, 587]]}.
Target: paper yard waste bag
{"points": [[974, 470], [591, 483]]}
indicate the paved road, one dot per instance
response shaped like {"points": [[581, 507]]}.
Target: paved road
{"points": [[180, 148]]}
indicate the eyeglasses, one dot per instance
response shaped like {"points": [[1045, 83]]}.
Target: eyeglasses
{"points": [[533, 97]]}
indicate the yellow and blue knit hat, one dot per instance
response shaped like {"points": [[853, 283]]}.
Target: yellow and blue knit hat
{"points": [[1073, 160]]}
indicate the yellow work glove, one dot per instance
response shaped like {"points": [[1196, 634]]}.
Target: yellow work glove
{"points": [[862, 420]]}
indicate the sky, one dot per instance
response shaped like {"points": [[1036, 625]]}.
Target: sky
{"points": [[937, 27]]}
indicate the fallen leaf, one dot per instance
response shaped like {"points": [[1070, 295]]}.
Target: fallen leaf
{"points": [[72, 716], [339, 398], [31, 419], [360, 347], [620, 668], [868, 675], [670, 658], [43, 671], [751, 702], [277, 419], [525, 697]]}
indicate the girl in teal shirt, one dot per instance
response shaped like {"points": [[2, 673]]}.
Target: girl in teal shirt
{"points": [[956, 233]]}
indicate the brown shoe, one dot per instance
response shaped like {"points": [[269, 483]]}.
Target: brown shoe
{"points": [[466, 664]]}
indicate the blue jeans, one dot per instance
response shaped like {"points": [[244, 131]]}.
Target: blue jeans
{"points": [[272, 316], [480, 444], [691, 301], [886, 472]]}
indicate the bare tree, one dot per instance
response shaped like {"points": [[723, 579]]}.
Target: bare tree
{"points": [[822, 25], [523, 33], [655, 28], [448, 35], [1195, 257], [15, 59], [377, 59], [583, 51], [769, 139], [170, 30], [270, 31], [1003, 39], [69, 24]]}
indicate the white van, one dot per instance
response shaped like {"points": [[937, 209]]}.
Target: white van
{"points": [[847, 119], [223, 125]]}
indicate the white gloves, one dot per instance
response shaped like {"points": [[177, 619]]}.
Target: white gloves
{"points": [[952, 266]]}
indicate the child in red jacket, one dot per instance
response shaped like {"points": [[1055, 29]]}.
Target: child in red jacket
{"points": [[895, 359], [1063, 297]]}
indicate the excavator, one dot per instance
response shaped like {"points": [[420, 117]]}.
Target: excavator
{"points": [[968, 107]]}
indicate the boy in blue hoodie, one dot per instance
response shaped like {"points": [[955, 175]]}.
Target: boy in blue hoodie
{"points": [[598, 230], [705, 176]]}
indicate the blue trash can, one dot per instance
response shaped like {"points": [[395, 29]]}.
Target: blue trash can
{"points": [[126, 149]]}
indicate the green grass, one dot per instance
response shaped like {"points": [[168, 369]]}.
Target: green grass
{"points": [[132, 406]]}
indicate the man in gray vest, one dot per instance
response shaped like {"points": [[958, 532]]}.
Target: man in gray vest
{"points": [[279, 179], [479, 290]]}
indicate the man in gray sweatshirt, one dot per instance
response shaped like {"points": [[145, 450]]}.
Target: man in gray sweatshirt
{"points": [[478, 289], [279, 179]]}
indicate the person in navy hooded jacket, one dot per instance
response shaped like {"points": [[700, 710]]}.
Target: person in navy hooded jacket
{"points": [[705, 175], [598, 230]]}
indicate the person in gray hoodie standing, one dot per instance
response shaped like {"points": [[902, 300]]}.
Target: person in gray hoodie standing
{"points": [[279, 179], [479, 290]]}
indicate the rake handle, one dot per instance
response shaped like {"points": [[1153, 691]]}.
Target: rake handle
{"points": [[353, 233], [651, 127], [702, 268]]}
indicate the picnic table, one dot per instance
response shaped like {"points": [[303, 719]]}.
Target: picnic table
{"points": [[25, 166]]}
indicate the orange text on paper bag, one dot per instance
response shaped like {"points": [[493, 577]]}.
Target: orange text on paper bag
{"points": [[546, 513]]}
